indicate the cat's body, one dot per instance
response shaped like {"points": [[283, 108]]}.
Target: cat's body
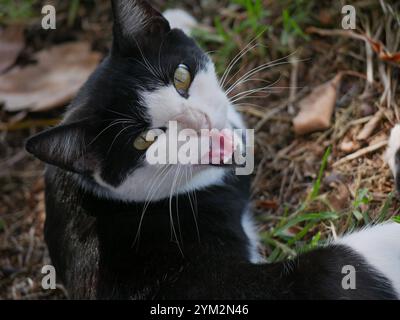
{"points": [[96, 261], [119, 228]]}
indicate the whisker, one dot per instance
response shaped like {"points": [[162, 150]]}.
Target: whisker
{"points": [[177, 203], [251, 72], [255, 70], [129, 116], [251, 91], [250, 97], [242, 67], [244, 51], [233, 62], [173, 231], [193, 207], [147, 63], [116, 137], [160, 172], [116, 122]]}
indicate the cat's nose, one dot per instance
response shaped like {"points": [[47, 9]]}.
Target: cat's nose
{"points": [[193, 119]]}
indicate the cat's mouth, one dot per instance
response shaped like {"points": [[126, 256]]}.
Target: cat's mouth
{"points": [[208, 148]]}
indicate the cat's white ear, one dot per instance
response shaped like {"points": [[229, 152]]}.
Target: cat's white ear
{"points": [[136, 21], [66, 146]]}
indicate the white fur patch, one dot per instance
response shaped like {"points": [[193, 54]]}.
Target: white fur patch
{"points": [[393, 147], [380, 246], [250, 230], [155, 182], [205, 95], [180, 19]]}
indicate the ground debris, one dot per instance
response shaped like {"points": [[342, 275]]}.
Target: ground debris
{"points": [[317, 108]]}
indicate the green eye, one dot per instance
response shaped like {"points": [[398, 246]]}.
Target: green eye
{"points": [[182, 79], [141, 143], [146, 139]]}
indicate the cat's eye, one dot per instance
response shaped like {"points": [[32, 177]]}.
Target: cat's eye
{"points": [[182, 79], [143, 142], [146, 139]]}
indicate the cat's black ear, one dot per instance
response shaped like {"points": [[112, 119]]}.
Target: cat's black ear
{"points": [[136, 23], [66, 146]]}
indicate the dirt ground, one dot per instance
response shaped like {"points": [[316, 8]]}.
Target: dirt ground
{"points": [[290, 191]]}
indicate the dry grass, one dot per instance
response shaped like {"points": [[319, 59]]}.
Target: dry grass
{"points": [[298, 205]]}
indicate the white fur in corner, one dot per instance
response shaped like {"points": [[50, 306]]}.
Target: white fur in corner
{"points": [[250, 229], [380, 246], [394, 146], [180, 19]]}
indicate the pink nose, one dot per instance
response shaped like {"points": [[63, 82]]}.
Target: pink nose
{"points": [[193, 119]]}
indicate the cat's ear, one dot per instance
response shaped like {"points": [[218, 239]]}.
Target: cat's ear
{"points": [[66, 146], [136, 23]]}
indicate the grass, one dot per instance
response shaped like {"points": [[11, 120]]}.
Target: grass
{"points": [[310, 219], [72, 12], [12, 11], [300, 199], [285, 245]]}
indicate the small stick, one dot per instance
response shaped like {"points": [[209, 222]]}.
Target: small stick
{"points": [[28, 124], [335, 32], [361, 152], [369, 128]]}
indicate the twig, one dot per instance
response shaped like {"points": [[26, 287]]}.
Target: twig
{"points": [[335, 32], [361, 153], [269, 115], [28, 124], [367, 130]]}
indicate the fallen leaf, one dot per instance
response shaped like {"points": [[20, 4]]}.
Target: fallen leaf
{"points": [[340, 197], [267, 204], [11, 44], [52, 82], [334, 177], [382, 52], [316, 109], [325, 17]]}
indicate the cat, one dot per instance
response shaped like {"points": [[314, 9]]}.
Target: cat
{"points": [[118, 227]]}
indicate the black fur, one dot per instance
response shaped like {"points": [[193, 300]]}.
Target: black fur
{"points": [[92, 240], [112, 94], [92, 245]]}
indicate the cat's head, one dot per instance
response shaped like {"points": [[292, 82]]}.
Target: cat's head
{"points": [[154, 74]]}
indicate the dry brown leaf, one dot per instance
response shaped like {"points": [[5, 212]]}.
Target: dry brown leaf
{"points": [[382, 52], [267, 204], [11, 44], [316, 109], [340, 197], [52, 82]]}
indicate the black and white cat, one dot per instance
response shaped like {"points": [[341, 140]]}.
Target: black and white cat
{"points": [[120, 228]]}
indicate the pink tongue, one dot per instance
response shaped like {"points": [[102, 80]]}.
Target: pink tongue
{"points": [[222, 147]]}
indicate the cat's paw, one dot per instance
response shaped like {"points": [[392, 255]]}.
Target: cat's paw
{"points": [[180, 19], [392, 156]]}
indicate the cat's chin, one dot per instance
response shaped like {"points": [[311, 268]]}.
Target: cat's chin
{"points": [[138, 187], [204, 176]]}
